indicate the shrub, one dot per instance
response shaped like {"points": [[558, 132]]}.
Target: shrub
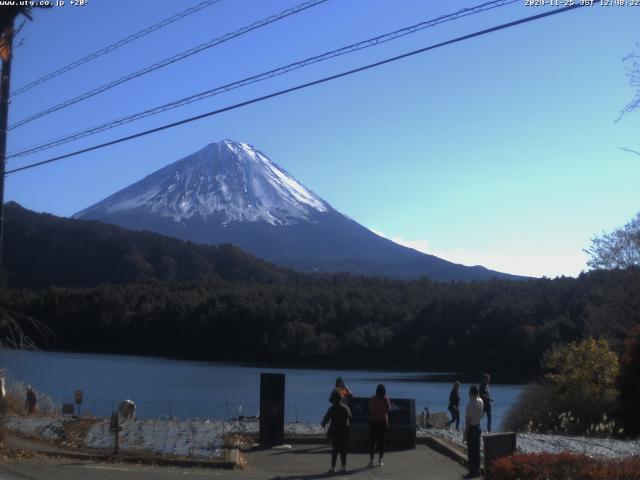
{"points": [[577, 395], [531, 411], [16, 394], [629, 382], [564, 466], [583, 376]]}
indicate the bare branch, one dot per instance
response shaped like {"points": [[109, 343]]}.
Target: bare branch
{"points": [[13, 326]]}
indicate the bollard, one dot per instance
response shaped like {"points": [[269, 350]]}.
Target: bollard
{"points": [[116, 429]]}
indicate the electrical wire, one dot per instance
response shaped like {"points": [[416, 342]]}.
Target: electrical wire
{"points": [[300, 87], [169, 61], [380, 39], [114, 46]]}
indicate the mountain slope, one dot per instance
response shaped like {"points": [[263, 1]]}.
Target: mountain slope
{"points": [[230, 192], [43, 250]]}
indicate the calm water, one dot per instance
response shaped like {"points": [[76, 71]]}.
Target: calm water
{"points": [[161, 386]]}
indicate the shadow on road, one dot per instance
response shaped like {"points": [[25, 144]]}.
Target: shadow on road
{"points": [[311, 476]]}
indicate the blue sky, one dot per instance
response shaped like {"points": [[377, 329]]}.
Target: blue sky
{"points": [[502, 150]]}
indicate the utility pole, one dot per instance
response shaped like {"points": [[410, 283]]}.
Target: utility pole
{"points": [[5, 80]]}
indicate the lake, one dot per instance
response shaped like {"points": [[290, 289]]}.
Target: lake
{"points": [[188, 389]]}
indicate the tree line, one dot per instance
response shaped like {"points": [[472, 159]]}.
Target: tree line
{"points": [[339, 320]]}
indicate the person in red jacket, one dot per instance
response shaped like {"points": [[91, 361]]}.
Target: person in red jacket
{"points": [[344, 391], [379, 407]]}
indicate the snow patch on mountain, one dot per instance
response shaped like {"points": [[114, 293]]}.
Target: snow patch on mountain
{"points": [[230, 180]]}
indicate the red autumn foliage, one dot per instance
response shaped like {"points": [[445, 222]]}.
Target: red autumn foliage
{"points": [[629, 383], [564, 466]]}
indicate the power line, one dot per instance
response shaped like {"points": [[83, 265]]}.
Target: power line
{"points": [[169, 61], [380, 39], [300, 87], [114, 46]]}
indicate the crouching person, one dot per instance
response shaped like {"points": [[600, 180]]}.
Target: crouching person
{"points": [[127, 409]]}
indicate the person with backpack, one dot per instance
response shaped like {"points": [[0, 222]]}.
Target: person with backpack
{"points": [[339, 419], [379, 407]]}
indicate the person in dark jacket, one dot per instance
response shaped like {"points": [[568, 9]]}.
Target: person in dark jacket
{"points": [[339, 418], [454, 405], [379, 407], [485, 395]]}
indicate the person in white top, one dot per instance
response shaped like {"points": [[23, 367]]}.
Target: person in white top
{"points": [[472, 431], [3, 393]]}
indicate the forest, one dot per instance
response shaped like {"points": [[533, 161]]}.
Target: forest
{"points": [[93, 287], [338, 320]]}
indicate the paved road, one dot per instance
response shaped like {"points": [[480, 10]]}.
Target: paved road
{"points": [[303, 462]]}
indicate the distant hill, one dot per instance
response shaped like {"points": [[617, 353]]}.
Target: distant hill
{"points": [[43, 250], [230, 192]]}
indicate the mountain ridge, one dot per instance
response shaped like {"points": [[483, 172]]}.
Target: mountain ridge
{"points": [[43, 250]]}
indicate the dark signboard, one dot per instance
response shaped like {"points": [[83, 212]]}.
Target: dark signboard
{"points": [[400, 414], [402, 423], [271, 409]]}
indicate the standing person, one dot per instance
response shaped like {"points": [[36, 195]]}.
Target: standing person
{"points": [[339, 417], [345, 393], [3, 393], [31, 401], [379, 407], [472, 431], [485, 395], [454, 405]]}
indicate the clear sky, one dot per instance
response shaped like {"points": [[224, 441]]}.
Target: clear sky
{"points": [[503, 150]]}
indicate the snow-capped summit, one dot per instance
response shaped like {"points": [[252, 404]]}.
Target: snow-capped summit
{"points": [[230, 192], [230, 181]]}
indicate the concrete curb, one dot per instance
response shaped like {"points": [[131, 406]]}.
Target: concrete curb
{"points": [[145, 460], [442, 447], [230, 461]]}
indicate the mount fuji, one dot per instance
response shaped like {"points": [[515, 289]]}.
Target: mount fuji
{"points": [[230, 192]]}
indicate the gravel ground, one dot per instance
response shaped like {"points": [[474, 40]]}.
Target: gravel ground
{"points": [[536, 443], [204, 438]]}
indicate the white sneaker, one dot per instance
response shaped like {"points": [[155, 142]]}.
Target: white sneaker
{"points": [[380, 463], [370, 464]]}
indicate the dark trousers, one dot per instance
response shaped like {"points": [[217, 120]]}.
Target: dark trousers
{"points": [[377, 435], [487, 411], [455, 416], [339, 446], [473, 449]]}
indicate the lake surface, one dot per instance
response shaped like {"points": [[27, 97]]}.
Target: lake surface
{"points": [[186, 389]]}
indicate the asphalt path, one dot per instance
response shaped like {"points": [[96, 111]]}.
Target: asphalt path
{"points": [[302, 462]]}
